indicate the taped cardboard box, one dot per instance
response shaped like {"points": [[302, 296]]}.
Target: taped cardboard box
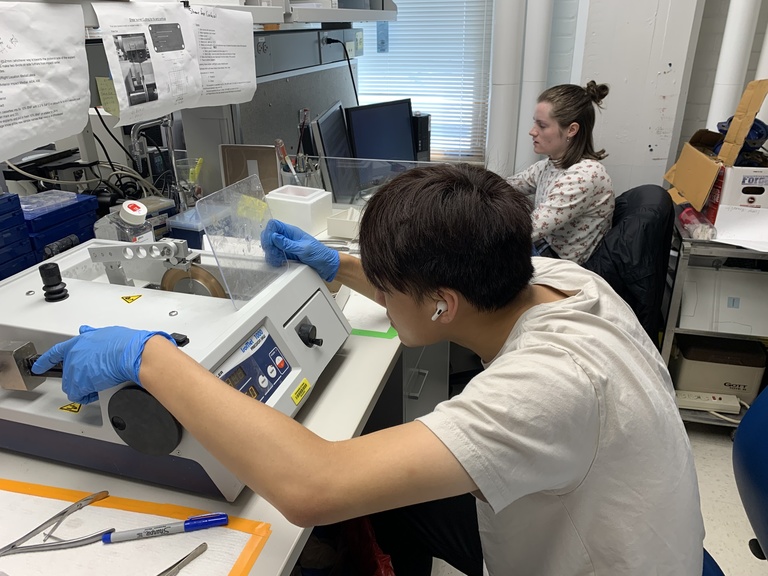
{"points": [[734, 198]]}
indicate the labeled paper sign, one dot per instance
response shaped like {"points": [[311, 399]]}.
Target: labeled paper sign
{"points": [[152, 57], [108, 96], [44, 93], [742, 226], [164, 57], [225, 55]]}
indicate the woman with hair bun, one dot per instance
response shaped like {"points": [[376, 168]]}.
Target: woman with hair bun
{"points": [[572, 194]]}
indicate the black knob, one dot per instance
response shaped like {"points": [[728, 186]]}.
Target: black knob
{"points": [[142, 422], [308, 333], [55, 290]]}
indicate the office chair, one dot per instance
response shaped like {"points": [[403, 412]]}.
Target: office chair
{"points": [[634, 254], [711, 567], [750, 468]]}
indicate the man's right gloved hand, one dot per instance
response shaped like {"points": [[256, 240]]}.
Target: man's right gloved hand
{"points": [[280, 240]]}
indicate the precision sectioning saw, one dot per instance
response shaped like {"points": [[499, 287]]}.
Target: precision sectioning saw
{"points": [[268, 332]]}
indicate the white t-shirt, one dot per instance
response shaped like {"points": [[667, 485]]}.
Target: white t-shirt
{"points": [[572, 207], [573, 437]]}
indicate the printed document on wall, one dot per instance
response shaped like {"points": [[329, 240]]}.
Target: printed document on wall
{"points": [[44, 93], [152, 55], [225, 54]]}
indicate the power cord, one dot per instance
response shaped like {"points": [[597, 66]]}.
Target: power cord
{"points": [[128, 154], [731, 420], [718, 415], [106, 155], [329, 40], [743, 403], [48, 180]]}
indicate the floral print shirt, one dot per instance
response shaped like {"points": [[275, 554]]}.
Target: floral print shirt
{"points": [[572, 207]]}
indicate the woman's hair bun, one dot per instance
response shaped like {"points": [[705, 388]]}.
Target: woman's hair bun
{"points": [[597, 91]]}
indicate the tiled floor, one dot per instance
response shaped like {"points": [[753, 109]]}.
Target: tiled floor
{"points": [[728, 530]]}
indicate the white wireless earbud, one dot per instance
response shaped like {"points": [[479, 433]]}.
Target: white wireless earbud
{"points": [[442, 306]]}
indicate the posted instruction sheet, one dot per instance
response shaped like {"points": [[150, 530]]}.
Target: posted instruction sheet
{"points": [[164, 57], [44, 93]]}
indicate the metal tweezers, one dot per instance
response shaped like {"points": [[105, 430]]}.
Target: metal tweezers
{"points": [[175, 568], [55, 521]]}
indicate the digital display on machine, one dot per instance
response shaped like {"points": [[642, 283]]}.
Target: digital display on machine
{"points": [[236, 377], [257, 368]]}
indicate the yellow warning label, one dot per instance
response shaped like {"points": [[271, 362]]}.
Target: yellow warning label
{"points": [[130, 299], [301, 391], [74, 407]]}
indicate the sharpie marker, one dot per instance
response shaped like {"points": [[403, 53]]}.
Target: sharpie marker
{"points": [[188, 525]]}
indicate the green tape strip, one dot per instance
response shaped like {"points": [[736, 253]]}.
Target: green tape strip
{"points": [[389, 334]]}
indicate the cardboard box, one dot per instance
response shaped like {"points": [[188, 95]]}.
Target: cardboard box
{"points": [[729, 300], [733, 198], [718, 365]]}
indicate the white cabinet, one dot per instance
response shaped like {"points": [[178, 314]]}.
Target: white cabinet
{"points": [[425, 379]]}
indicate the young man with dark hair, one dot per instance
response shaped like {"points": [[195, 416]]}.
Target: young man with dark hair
{"points": [[569, 443]]}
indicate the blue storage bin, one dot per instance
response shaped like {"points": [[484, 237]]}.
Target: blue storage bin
{"points": [[17, 265], [15, 250], [47, 209], [187, 226], [14, 234], [11, 219], [75, 225], [9, 203]]}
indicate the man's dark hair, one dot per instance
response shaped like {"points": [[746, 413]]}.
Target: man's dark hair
{"points": [[448, 226]]}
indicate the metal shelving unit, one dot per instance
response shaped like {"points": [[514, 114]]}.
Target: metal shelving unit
{"points": [[714, 254]]}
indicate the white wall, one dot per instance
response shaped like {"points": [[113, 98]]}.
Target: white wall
{"points": [[659, 59], [564, 22], [705, 64], [642, 50]]}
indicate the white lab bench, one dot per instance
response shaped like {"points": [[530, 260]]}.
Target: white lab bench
{"points": [[338, 409]]}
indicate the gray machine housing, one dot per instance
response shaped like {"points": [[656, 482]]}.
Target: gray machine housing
{"points": [[41, 422]]}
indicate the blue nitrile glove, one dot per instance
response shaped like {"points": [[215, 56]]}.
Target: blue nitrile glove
{"points": [[96, 360], [279, 237]]}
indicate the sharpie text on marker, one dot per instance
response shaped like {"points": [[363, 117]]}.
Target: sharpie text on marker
{"points": [[189, 525]]}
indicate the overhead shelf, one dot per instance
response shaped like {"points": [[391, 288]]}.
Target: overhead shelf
{"points": [[274, 14], [260, 14], [299, 14]]}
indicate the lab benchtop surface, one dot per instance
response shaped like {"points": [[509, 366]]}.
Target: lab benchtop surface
{"points": [[338, 409]]}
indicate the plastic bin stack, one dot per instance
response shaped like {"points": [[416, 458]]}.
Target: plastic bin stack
{"points": [[57, 220], [15, 248]]}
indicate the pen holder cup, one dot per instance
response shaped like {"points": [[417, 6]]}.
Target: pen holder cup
{"points": [[311, 179]]}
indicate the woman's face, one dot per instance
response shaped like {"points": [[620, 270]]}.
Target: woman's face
{"points": [[548, 138]]}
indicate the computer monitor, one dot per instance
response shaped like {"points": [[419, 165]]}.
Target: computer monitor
{"points": [[382, 131], [329, 131]]}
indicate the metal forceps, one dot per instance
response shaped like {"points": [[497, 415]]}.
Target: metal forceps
{"points": [[55, 520], [175, 568]]}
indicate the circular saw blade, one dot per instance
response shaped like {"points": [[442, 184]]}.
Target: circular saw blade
{"points": [[196, 281]]}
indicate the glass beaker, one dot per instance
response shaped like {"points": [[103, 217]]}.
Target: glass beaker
{"points": [[188, 173]]}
